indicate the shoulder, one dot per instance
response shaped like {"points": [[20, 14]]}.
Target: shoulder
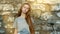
{"points": [[18, 18]]}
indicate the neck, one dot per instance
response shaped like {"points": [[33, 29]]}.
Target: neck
{"points": [[23, 15]]}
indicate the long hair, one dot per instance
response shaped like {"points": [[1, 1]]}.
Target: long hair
{"points": [[28, 18]]}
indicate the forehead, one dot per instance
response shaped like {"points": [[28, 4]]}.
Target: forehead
{"points": [[26, 5]]}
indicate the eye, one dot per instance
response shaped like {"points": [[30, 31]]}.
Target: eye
{"points": [[24, 7], [27, 7]]}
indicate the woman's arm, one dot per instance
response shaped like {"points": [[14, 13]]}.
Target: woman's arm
{"points": [[15, 31], [15, 26]]}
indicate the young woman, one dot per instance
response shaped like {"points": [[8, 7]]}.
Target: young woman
{"points": [[23, 23]]}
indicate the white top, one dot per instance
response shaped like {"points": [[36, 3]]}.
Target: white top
{"points": [[20, 23]]}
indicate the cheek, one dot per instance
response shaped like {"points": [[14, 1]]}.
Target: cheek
{"points": [[26, 10]]}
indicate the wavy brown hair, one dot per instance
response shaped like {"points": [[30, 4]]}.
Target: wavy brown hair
{"points": [[28, 18]]}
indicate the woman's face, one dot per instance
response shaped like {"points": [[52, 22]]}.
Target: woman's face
{"points": [[25, 8]]}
